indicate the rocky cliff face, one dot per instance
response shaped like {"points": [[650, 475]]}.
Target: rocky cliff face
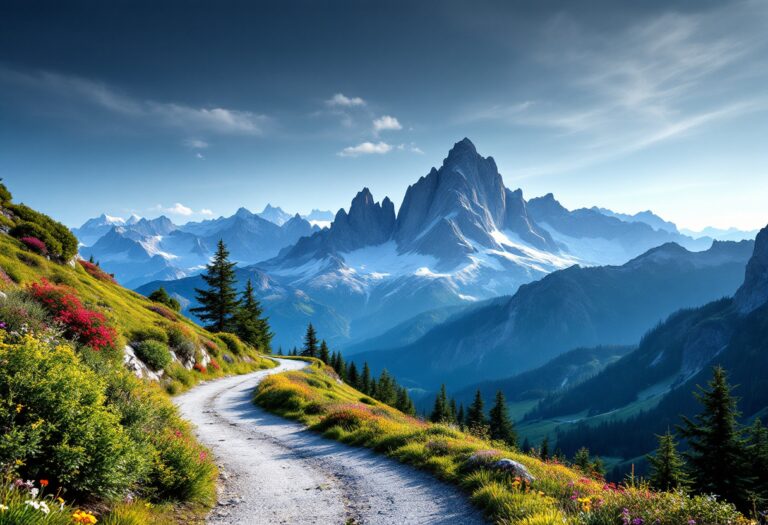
{"points": [[754, 292], [367, 223]]}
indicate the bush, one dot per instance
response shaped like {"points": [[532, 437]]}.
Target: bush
{"points": [[185, 472], [154, 353], [178, 334], [57, 425], [84, 326], [232, 342], [30, 229], [5, 195], [66, 242], [163, 311], [21, 313], [96, 272], [149, 333], [35, 244], [162, 297]]}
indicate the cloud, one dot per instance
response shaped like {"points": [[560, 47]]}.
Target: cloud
{"points": [[217, 120], [342, 100], [386, 123], [206, 212], [199, 155], [410, 147], [196, 144], [366, 148]]}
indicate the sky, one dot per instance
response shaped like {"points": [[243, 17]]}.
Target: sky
{"points": [[193, 109]]}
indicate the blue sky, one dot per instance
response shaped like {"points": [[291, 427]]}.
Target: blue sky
{"points": [[197, 108]]}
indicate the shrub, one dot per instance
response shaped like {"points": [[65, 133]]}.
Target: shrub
{"points": [[5, 278], [66, 242], [186, 350], [200, 368], [185, 472], [5, 195], [96, 272], [162, 297], [57, 425], [163, 311], [214, 364], [149, 333], [35, 244], [154, 353], [30, 229], [178, 334], [232, 342], [22, 313], [5, 223], [85, 326]]}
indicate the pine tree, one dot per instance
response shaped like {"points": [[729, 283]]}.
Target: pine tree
{"points": [[218, 303], [526, 445], [666, 465], [162, 297], [386, 389], [582, 460], [250, 324], [717, 452], [352, 376], [441, 411], [476, 412], [280, 350], [597, 468], [500, 423], [544, 448], [757, 460], [453, 411], [310, 342], [404, 403], [340, 367], [461, 417], [365, 380], [325, 355]]}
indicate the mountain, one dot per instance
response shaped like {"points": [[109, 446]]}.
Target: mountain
{"points": [[609, 305], [320, 218], [289, 310], [647, 217], [140, 250], [651, 386], [730, 234], [274, 215]]}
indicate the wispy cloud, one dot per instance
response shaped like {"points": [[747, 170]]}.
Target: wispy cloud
{"points": [[385, 123], [216, 120], [195, 144], [366, 148], [341, 100], [181, 210]]}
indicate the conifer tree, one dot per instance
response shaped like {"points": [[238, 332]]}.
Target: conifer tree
{"points": [[353, 377], [582, 460], [544, 449], [340, 367], [218, 303], [453, 411], [310, 342], [461, 417], [526, 445], [441, 411], [250, 324], [404, 403], [717, 452], [325, 355], [500, 423], [476, 412], [666, 465], [757, 460], [386, 389], [365, 380], [374, 388]]}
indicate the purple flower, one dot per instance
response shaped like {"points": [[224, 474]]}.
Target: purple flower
{"points": [[3, 326], [691, 522], [638, 521]]}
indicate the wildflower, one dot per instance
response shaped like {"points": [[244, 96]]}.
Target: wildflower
{"points": [[638, 521], [43, 482], [586, 503], [691, 522], [19, 408], [80, 516], [203, 455], [39, 505], [3, 508]]}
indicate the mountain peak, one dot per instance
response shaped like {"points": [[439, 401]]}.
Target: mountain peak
{"points": [[243, 212], [464, 145], [754, 292]]}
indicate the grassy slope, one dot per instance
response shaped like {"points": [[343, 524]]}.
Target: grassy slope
{"points": [[316, 397]]}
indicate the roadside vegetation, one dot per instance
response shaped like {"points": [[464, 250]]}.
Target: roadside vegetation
{"points": [[546, 491], [82, 438]]}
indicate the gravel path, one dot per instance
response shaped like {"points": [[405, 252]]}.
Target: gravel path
{"points": [[275, 471]]}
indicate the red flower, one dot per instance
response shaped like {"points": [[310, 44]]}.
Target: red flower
{"points": [[35, 244], [43, 482]]}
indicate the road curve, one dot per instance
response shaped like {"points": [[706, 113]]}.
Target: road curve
{"points": [[275, 471]]}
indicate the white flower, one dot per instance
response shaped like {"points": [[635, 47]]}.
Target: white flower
{"points": [[44, 507], [3, 507], [34, 492], [39, 505]]}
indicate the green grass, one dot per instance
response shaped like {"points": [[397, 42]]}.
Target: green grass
{"points": [[316, 397]]}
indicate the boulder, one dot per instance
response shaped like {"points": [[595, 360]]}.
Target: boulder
{"points": [[515, 468], [137, 366]]}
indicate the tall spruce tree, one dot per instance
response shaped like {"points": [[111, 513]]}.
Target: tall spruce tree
{"points": [[476, 412], [325, 354], [250, 324], [453, 411], [716, 454], [218, 303], [500, 423], [441, 412], [386, 389], [757, 461], [461, 417], [353, 378], [544, 448], [667, 468], [310, 342], [365, 380], [582, 460]]}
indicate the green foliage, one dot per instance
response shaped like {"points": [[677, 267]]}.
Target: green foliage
{"points": [[21, 313], [162, 297], [65, 242], [500, 423], [154, 353], [325, 354], [310, 342], [5, 194], [441, 412], [667, 467], [218, 303], [250, 324], [31, 229], [476, 412], [182, 471], [57, 424], [232, 342], [149, 333]]}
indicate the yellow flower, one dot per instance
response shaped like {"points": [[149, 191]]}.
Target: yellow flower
{"points": [[19, 407], [586, 503], [86, 518]]}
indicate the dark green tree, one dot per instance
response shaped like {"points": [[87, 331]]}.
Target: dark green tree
{"points": [[453, 411], [325, 354], [544, 448], [582, 460], [716, 454], [404, 403], [667, 468], [218, 303], [461, 417], [162, 297], [441, 412], [250, 324], [386, 389], [476, 412], [365, 380], [757, 460], [527, 446], [353, 378], [310, 342], [500, 423], [341, 367]]}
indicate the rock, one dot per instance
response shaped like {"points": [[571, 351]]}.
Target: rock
{"points": [[3, 297], [137, 366], [514, 468], [754, 292]]}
